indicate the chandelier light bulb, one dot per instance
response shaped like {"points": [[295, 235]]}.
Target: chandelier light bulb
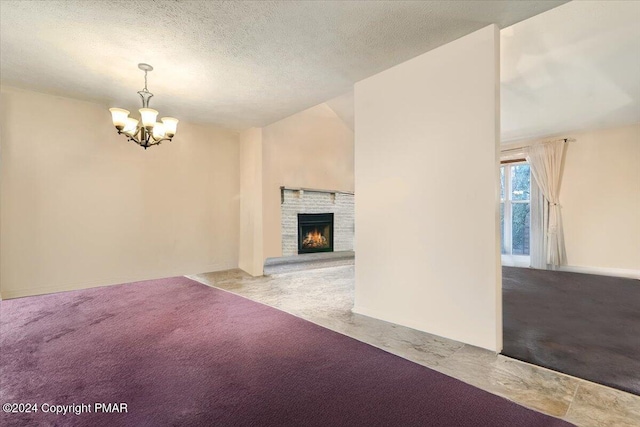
{"points": [[158, 131], [130, 127], [170, 125], [119, 117], [148, 116]]}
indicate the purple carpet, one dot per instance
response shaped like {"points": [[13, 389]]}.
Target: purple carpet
{"points": [[179, 353]]}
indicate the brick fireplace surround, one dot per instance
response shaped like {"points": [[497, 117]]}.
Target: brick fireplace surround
{"points": [[304, 200]]}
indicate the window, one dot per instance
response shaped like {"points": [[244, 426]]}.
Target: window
{"points": [[515, 218]]}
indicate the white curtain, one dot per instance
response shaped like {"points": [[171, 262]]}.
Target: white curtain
{"points": [[545, 160], [539, 217]]}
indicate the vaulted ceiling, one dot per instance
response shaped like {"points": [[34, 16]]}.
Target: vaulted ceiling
{"points": [[573, 68], [233, 64]]}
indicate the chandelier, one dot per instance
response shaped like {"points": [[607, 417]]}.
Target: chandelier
{"points": [[150, 132]]}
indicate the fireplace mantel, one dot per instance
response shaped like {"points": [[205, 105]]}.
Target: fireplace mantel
{"points": [[311, 190]]}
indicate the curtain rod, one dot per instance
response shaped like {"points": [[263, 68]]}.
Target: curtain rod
{"points": [[542, 142]]}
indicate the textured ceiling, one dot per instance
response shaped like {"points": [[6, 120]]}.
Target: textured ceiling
{"points": [[234, 64], [576, 67]]}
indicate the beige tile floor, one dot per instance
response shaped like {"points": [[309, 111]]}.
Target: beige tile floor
{"points": [[325, 296]]}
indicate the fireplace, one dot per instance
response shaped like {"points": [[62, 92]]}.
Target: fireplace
{"points": [[315, 233]]}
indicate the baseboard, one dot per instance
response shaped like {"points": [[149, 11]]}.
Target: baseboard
{"points": [[43, 290], [602, 271]]}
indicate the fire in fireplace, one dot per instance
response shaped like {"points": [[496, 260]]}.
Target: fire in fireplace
{"points": [[315, 233]]}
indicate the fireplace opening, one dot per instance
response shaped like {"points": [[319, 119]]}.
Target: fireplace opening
{"points": [[315, 233]]}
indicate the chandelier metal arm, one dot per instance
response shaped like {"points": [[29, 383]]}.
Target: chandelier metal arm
{"points": [[144, 138]]}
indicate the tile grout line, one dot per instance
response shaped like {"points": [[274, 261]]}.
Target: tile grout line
{"points": [[456, 351], [575, 393]]}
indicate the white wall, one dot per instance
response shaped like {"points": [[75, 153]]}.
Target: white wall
{"points": [[426, 175], [251, 231], [311, 149], [81, 207], [600, 199]]}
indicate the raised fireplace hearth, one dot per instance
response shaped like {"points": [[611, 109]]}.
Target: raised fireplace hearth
{"points": [[315, 233]]}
